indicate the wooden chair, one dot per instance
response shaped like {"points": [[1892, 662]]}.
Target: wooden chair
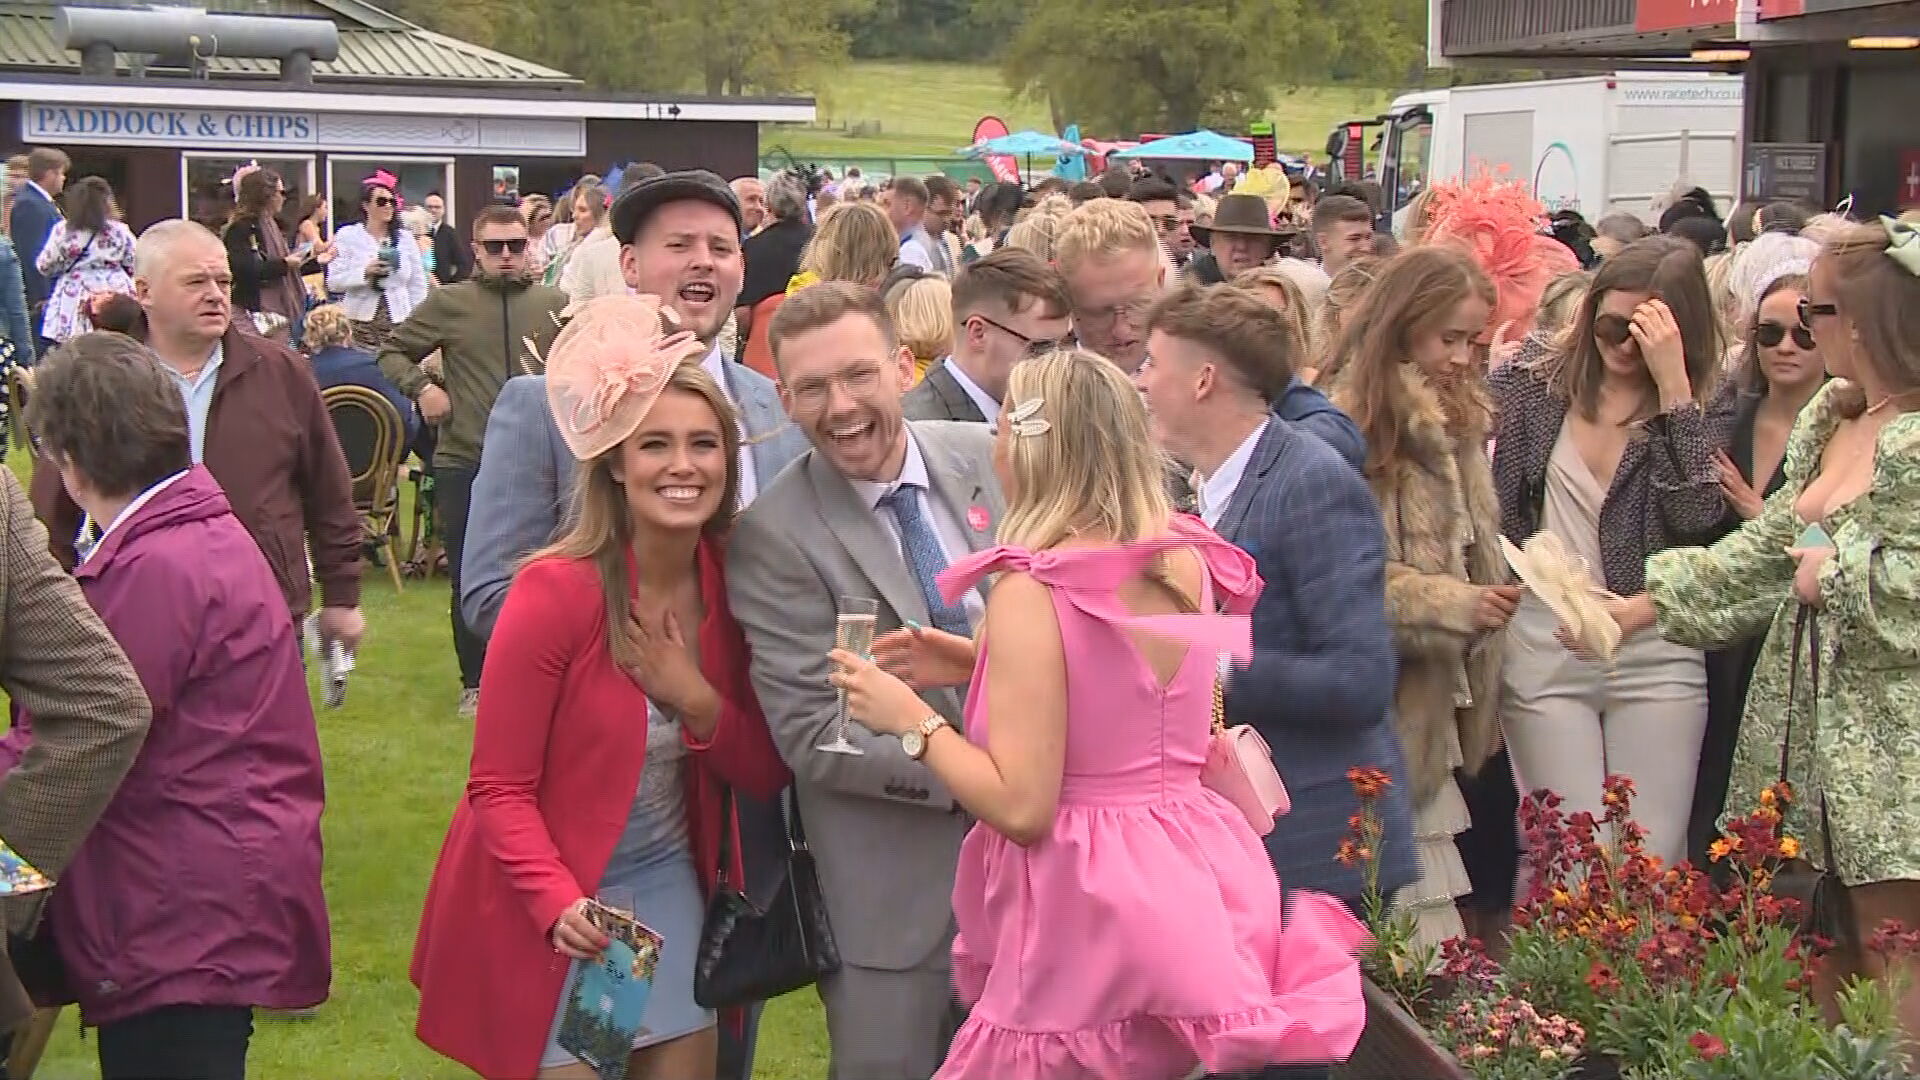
{"points": [[19, 389], [373, 438], [30, 1043]]}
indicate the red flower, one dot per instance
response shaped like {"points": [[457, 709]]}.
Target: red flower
{"points": [[1707, 1046], [1369, 784], [1600, 978]]}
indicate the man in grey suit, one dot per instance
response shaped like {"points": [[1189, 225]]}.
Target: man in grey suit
{"points": [[666, 226], [875, 510], [1007, 307]]}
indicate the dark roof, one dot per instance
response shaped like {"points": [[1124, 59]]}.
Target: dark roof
{"points": [[375, 47]]}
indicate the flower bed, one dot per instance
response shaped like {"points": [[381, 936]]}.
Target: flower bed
{"points": [[1619, 966]]}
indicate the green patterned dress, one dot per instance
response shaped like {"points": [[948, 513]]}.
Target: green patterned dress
{"points": [[1863, 750]]}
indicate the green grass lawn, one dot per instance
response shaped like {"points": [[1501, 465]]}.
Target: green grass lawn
{"points": [[396, 759], [911, 109]]}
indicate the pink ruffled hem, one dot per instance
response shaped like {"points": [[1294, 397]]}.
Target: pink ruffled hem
{"points": [[1147, 1047], [1315, 1016]]}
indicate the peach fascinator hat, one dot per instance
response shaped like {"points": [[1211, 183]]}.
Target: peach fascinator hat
{"points": [[608, 366]]}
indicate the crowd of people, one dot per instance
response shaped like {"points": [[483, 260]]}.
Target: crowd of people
{"points": [[1114, 467]]}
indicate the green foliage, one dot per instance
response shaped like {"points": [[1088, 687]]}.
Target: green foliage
{"points": [[928, 30], [1126, 66]]}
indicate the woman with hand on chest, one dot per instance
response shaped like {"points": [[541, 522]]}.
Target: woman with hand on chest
{"points": [[614, 713]]}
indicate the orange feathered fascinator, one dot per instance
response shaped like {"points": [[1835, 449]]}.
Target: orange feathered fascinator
{"points": [[1499, 223], [608, 366]]}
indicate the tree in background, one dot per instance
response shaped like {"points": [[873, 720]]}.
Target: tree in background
{"points": [[1127, 66]]}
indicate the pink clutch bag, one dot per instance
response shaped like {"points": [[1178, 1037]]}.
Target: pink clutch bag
{"points": [[1240, 767]]}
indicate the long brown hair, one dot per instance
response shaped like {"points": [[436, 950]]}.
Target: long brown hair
{"points": [[602, 525], [1671, 271], [1882, 299], [1413, 294], [252, 194]]}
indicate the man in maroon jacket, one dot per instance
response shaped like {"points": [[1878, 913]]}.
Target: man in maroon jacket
{"points": [[256, 421]]}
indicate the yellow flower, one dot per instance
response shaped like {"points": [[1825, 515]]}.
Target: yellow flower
{"points": [[1766, 797], [1721, 848], [1789, 848]]}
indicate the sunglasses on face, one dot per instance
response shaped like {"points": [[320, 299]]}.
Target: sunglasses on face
{"points": [[382, 200], [1614, 330], [1810, 311], [1033, 347], [1769, 335], [497, 248]]}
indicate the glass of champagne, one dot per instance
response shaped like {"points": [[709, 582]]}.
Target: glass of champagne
{"points": [[853, 631]]}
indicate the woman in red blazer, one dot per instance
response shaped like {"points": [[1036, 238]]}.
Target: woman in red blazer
{"points": [[606, 735]]}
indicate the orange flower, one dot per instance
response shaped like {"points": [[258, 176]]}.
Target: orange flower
{"points": [[1369, 784], [1789, 848], [1722, 848]]}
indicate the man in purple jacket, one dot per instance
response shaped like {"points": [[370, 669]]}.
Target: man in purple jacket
{"points": [[197, 896]]}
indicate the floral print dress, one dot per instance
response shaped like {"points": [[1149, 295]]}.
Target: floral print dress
{"points": [[1861, 748], [84, 262]]}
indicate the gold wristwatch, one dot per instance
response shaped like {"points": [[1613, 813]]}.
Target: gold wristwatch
{"points": [[914, 739]]}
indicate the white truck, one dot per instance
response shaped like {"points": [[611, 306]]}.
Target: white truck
{"points": [[1597, 144]]}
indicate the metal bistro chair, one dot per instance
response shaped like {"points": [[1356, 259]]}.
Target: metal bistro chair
{"points": [[373, 440]]}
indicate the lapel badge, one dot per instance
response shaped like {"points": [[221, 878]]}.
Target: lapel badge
{"points": [[977, 519]]}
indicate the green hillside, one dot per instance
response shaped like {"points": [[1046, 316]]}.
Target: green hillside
{"points": [[883, 108]]}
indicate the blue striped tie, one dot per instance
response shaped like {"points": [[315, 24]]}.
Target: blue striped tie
{"points": [[924, 557]]}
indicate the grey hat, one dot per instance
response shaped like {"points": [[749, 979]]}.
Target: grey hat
{"points": [[634, 205]]}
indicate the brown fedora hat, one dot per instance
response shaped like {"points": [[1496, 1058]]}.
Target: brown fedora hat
{"points": [[1246, 214]]}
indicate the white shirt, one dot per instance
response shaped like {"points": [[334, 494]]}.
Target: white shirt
{"points": [[86, 549], [715, 366], [914, 253], [988, 407], [1218, 491], [946, 527]]}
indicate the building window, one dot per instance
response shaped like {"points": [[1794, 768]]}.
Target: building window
{"points": [[418, 176], [207, 198]]}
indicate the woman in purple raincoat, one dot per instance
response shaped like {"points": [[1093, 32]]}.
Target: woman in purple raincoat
{"points": [[197, 896]]}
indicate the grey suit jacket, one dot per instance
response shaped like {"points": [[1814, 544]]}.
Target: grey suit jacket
{"points": [[939, 397], [884, 831], [525, 483]]}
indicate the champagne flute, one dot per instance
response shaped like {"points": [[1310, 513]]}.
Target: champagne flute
{"points": [[852, 631]]}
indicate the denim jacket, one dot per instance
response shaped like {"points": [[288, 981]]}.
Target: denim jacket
{"points": [[13, 305]]}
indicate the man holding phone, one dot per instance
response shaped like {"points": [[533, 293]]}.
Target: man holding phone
{"points": [[478, 327]]}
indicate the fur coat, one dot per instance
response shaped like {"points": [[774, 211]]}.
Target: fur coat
{"points": [[1437, 495]]}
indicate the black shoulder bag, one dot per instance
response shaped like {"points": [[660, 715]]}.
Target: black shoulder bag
{"points": [[1825, 909], [750, 954]]}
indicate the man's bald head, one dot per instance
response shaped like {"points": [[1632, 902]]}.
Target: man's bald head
{"points": [[156, 245]]}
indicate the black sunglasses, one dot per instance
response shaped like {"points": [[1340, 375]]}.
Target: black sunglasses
{"points": [[381, 200], [1769, 335], [1035, 347], [1810, 311], [496, 248], [1612, 329]]}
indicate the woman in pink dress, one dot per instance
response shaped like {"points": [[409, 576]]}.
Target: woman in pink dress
{"points": [[1117, 919]]}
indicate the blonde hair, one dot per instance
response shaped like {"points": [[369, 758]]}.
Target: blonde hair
{"points": [[922, 313], [328, 325], [1094, 471], [602, 529], [1344, 293], [1102, 229], [1038, 230], [1560, 302], [854, 242], [1881, 297], [1293, 306]]}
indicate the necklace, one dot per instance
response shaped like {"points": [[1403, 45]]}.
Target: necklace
{"points": [[1888, 400]]}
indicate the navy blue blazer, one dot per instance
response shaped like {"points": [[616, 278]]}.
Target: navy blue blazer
{"points": [[1320, 686], [338, 365], [33, 217], [1312, 410]]}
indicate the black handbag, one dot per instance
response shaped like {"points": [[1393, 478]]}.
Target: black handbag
{"points": [[750, 954], [1825, 908]]}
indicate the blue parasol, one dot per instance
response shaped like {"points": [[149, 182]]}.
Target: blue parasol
{"points": [[1202, 145]]}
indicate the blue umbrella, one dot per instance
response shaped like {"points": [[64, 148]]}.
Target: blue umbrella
{"points": [[1026, 144], [1202, 145]]}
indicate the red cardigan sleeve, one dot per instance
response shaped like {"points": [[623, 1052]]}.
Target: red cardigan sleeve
{"points": [[539, 631], [740, 752]]}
